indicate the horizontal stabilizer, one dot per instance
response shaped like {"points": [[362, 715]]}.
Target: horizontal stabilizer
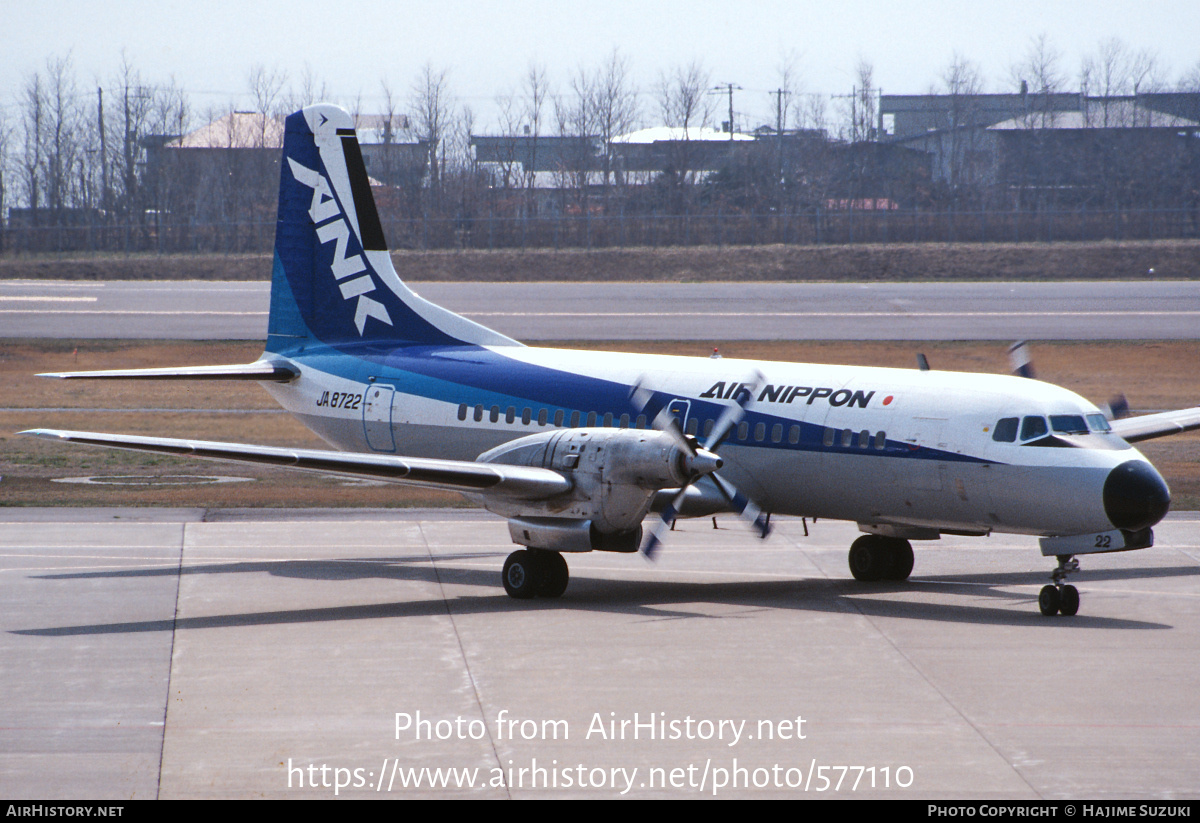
{"points": [[521, 482], [270, 370], [1149, 426]]}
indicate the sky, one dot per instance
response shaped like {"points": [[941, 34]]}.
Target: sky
{"points": [[487, 46]]}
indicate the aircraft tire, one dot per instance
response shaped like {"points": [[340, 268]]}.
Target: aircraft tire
{"points": [[1049, 601], [901, 565], [520, 575], [553, 574], [1068, 597], [868, 559]]}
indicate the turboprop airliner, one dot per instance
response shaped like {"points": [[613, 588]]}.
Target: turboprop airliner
{"points": [[579, 450]]}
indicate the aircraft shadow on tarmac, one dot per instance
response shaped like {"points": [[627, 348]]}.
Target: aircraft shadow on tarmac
{"points": [[652, 599]]}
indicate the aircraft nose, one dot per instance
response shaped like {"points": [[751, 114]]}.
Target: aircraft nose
{"points": [[1135, 496]]}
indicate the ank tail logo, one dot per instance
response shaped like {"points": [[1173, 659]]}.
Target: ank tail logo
{"points": [[332, 227]]}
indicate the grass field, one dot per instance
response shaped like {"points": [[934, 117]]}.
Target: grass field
{"points": [[892, 262], [1153, 375]]}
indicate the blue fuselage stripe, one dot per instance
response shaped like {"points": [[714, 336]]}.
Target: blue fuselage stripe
{"points": [[475, 376]]}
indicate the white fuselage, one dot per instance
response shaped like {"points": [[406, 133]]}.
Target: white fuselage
{"points": [[882, 447]]}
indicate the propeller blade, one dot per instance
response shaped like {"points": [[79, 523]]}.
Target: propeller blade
{"points": [[734, 413], [1020, 359], [640, 396], [1116, 408], [664, 421], [743, 505], [654, 539], [1022, 365], [703, 459]]}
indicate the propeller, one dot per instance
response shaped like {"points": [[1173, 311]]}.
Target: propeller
{"points": [[704, 460], [1021, 359], [1116, 407]]}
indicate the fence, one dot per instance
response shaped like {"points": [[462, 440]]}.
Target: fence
{"points": [[619, 231]]}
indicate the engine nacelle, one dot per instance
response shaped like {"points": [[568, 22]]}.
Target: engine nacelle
{"points": [[565, 535], [615, 474]]}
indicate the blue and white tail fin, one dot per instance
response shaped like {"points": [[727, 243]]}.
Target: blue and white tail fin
{"points": [[333, 280]]}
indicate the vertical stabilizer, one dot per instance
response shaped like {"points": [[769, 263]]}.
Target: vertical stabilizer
{"points": [[333, 280]]}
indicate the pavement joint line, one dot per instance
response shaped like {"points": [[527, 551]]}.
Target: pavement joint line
{"points": [[78, 568], [162, 749], [466, 661], [852, 605]]}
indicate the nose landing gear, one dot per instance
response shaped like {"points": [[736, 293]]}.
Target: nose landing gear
{"points": [[1060, 598]]}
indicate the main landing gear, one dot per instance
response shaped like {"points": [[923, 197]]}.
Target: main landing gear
{"points": [[535, 573], [874, 557], [1060, 598]]}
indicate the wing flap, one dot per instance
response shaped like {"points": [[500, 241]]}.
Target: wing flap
{"points": [[1149, 426], [276, 371], [520, 482]]}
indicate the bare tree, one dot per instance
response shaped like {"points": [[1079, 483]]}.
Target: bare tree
{"points": [[535, 90], [462, 172], [33, 122], [864, 103], [1103, 75], [683, 98], [312, 89], [5, 139], [510, 117], [790, 106], [432, 109], [1039, 76], [266, 89], [575, 117], [962, 83], [1113, 72], [614, 100], [1190, 81], [684, 104], [813, 112], [129, 119], [62, 132]]}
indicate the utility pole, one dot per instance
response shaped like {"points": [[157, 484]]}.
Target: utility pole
{"points": [[728, 89], [103, 151], [779, 93], [853, 98]]}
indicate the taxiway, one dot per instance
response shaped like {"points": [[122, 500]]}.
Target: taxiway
{"points": [[233, 654]]}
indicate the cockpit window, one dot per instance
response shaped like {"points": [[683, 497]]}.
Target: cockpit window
{"points": [[1068, 423], [1006, 430], [1098, 423], [1032, 427]]}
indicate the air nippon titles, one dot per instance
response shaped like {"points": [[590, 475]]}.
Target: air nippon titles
{"points": [[657, 726], [791, 394]]}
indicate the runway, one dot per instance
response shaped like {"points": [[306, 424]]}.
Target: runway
{"points": [[195, 310], [190, 653]]}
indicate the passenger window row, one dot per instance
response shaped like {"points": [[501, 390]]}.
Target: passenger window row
{"points": [[846, 438], [575, 419]]}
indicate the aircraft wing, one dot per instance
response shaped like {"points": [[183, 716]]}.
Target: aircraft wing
{"points": [[519, 482], [1149, 426], [270, 370]]}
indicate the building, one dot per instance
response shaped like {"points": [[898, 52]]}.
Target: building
{"points": [[1053, 150]]}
